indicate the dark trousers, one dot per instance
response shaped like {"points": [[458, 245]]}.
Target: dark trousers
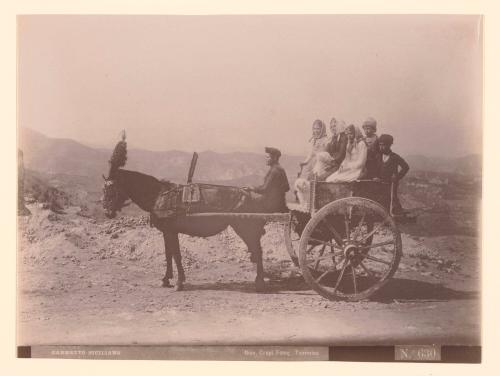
{"points": [[396, 204], [259, 203]]}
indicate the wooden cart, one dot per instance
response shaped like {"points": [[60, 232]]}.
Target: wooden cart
{"points": [[345, 240]]}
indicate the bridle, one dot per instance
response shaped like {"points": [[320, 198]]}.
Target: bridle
{"points": [[112, 199]]}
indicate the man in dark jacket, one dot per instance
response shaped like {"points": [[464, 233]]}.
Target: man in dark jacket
{"points": [[392, 168], [270, 196]]}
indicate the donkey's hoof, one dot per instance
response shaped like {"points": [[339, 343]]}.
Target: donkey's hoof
{"points": [[179, 286], [260, 286], [166, 283]]}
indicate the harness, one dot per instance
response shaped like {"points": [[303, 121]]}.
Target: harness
{"points": [[198, 198]]}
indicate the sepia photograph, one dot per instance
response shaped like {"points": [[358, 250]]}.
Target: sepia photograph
{"points": [[275, 184]]}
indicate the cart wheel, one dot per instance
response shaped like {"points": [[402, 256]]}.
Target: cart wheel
{"points": [[349, 249]]}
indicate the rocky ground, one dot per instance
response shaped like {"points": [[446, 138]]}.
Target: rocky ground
{"points": [[88, 281]]}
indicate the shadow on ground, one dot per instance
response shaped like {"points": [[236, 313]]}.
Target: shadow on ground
{"points": [[436, 224], [396, 289], [412, 290], [274, 286]]}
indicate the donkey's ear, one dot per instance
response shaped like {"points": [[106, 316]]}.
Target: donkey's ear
{"points": [[123, 135], [104, 177]]}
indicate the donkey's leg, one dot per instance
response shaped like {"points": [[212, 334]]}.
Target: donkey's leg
{"points": [[260, 285], [173, 243], [168, 257], [251, 233]]}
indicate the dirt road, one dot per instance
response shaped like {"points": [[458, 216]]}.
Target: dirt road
{"points": [[87, 282]]}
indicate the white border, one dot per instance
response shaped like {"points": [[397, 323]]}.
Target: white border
{"points": [[490, 291]]}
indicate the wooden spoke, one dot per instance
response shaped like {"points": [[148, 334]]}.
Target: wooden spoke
{"points": [[324, 242], [330, 244], [336, 236], [347, 227], [310, 248], [354, 280], [325, 273], [359, 227], [337, 253], [340, 277], [369, 272], [334, 262], [374, 230], [362, 222], [377, 245], [378, 260], [318, 259]]}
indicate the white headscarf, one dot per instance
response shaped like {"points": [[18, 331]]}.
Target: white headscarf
{"points": [[358, 137], [341, 126], [323, 131]]}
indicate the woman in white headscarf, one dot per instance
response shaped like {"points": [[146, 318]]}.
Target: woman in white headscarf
{"points": [[354, 162], [319, 143], [327, 162]]}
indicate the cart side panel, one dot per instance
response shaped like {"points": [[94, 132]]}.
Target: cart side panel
{"points": [[328, 192], [376, 191]]}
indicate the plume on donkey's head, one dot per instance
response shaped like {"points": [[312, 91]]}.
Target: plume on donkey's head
{"points": [[119, 156], [113, 196]]}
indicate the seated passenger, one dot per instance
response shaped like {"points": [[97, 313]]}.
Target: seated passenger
{"points": [[338, 143], [355, 158], [270, 196], [392, 169], [323, 166], [373, 151], [327, 162], [319, 143]]}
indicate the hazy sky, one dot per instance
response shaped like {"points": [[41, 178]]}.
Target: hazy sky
{"points": [[230, 83]]}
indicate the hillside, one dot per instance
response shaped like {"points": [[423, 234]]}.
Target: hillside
{"points": [[54, 155], [63, 156], [467, 165]]}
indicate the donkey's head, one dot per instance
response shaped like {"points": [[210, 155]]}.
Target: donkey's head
{"points": [[114, 196]]}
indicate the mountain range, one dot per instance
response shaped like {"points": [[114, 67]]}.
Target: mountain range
{"points": [[68, 157]]}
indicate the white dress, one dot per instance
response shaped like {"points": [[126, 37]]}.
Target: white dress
{"points": [[318, 146], [353, 165], [302, 185]]}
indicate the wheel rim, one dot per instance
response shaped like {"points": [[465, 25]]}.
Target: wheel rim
{"points": [[349, 249]]}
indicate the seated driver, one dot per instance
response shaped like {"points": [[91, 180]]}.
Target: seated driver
{"points": [[270, 196]]}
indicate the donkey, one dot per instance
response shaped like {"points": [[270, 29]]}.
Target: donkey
{"points": [[122, 185]]}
